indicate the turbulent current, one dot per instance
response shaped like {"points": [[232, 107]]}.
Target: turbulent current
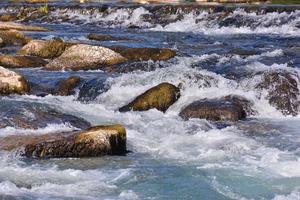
{"points": [[220, 51]]}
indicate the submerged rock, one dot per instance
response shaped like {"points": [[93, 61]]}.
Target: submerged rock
{"points": [[20, 27], [145, 54], [160, 97], [85, 57], [45, 48], [66, 86], [12, 82], [13, 37], [92, 142], [10, 61], [102, 37], [229, 108], [283, 91], [91, 89], [30, 115]]}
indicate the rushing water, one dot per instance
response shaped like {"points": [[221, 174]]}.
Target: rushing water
{"points": [[170, 158]]}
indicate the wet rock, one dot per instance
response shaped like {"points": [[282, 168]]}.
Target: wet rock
{"points": [[20, 27], [8, 17], [2, 44], [12, 82], [102, 37], [134, 66], [160, 97], [283, 91], [66, 86], [30, 115], [10, 61], [13, 37], [95, 141], [85, 57], [40, 90], [91, 89], [229, 108], [45, 48], [145, 54]]}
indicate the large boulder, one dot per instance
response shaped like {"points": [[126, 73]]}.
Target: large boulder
{"points": [[20, 27], [10, 61], [30, 115], [85, 57], [45, 48], [12, 82], [92, 142], [91, 89], [282, 90], [160, 97], [229, 108], [145, 54], [13, 37]]}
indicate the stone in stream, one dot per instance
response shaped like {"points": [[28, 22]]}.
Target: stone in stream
{"points": [[66, 86], [282, 90], [102, 37], [31, 115], [10, 61], [229, 108], [2, 44], [6, 17], [93, 142], [13, 37], [45, 48], [160, 97], [91, 89], [145, 54], [12, 82], [85, 57], [20, 27]]}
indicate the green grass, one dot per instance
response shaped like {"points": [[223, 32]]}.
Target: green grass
{"points": [[285, 1]]}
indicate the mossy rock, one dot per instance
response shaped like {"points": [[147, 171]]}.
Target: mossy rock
{"points": [[160, 97], [13, 37], [45, 48], [66, 86], [145, 54], [10, 61], [93, 142]]}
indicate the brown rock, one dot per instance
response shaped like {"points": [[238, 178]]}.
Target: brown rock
{"points": [[101, 37], [8, 17], [229, 108], [10, 61], [95, 141], [145, 54], [45, 48], [160, 97], [20, 27], [283, 92], [13, 37], [12, 82], [85, 57], [66, 86]]}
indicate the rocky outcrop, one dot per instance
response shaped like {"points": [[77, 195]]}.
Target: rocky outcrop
{"points": [[9, 61], [12, 82], [66, 86], [102, 37], [45, 48], [85, 57], [282, 90], [20, 27], [229, 108], [144, 54], [160, 97], [30, 115], [13, 37]]}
